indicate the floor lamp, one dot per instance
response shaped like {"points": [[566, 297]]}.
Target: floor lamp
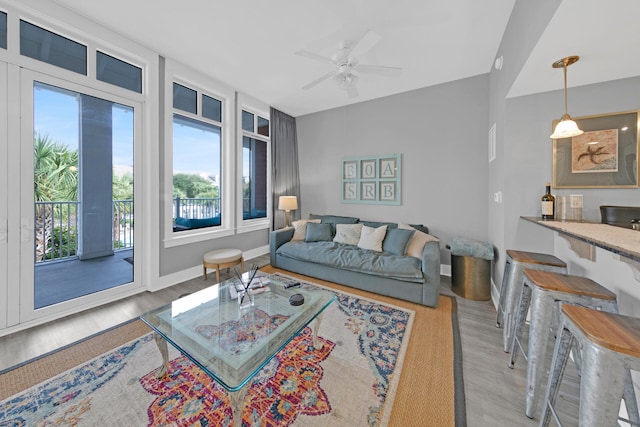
{"points": [[288, 204]]}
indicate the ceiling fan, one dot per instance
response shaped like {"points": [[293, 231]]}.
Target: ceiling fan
{"points": [[345, 62]]}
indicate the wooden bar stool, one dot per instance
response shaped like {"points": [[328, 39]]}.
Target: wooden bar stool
{"points": [[222, 258], [610, 346], [542, 290], [511, 287]]}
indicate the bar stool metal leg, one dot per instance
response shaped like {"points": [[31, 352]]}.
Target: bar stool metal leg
{"points": [[561, 351], [508, 270], [600, 409]]}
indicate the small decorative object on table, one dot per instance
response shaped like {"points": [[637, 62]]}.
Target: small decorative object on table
{"points": [[246, 296]]}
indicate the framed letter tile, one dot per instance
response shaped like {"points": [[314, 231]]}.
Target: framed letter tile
{"points": [[387, 191], [372, 180], [350, 170], [368, 168], [368, 191], [350, 191]]}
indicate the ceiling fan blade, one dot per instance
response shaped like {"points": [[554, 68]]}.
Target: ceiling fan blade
{"points": [[317, 81], [369, 40], [352, 89], [380, 70], [314, 56]]}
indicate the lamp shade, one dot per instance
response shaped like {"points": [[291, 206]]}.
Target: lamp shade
{"points": [[288, 203], [566, 128]]}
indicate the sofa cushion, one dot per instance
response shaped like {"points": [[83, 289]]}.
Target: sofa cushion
{"points": [[348, 234], [197, 222], [417, 242], [397, 240], [352, 258], [317, 232], [376, 224], [333, 220], [300, 228], [371, 238]]}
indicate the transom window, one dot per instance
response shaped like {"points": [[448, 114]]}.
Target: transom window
{"points": [[255, 146]]}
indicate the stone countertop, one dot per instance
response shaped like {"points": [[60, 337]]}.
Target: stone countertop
{"points": [[621, 241]]}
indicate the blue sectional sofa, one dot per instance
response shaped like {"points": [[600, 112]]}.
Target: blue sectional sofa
{"points": [[396, 274]]}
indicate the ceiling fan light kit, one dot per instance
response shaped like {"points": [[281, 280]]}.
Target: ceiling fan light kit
{"points": [[346, 62], [566, 127]]}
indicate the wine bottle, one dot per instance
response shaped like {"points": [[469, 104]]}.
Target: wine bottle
{"points": [[548, 204]]}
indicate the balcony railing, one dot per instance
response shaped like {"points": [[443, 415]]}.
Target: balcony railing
{"points": [[195, 208], [56, 229]]}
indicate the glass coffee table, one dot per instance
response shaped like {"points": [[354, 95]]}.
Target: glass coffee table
{"points": [[230, 341]]}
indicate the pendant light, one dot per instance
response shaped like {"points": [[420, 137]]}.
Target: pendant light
{"points": [[566, 127]]}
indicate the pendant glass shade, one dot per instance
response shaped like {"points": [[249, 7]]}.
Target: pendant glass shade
{"points": [[566, 128]]}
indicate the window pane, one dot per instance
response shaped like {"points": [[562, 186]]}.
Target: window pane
{"points": [[254, 178], [263, 126], [3, 30], [247, 121], [185, 99], [43, 45], [211, 108], [196, 174], [119, 73]]}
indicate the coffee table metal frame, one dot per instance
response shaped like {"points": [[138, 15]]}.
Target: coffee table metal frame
{"points": [[234, 364]]}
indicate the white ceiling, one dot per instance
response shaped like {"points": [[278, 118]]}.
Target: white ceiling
{"points": [[606, 36], [250, 44]]}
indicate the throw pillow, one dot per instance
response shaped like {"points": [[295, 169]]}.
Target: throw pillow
{"points": [[348, 234], [371, 238], [318, 232], [301, 228], [397, 240], [419, 239]]}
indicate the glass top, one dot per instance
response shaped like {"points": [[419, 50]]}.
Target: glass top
{"points": [[231, 343]]}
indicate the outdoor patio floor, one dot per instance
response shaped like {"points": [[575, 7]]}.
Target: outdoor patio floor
{"points": [[65, 280]]}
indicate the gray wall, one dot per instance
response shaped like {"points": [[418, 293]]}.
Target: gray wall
{"points": [[441, 133], [527, 23]]}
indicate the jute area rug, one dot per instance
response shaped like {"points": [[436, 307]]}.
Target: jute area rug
{"points": [[405, 377]]}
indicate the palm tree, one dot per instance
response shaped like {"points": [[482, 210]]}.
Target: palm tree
{"points": [[55, 178]]}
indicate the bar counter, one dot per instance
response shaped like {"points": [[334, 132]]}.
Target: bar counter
{"points": [[622, 241]]}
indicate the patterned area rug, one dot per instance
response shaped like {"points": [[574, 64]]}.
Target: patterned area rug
{"points": [[351, 381]]}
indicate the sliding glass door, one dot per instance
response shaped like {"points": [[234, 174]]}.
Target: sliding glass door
{"points": [[77, 194]]}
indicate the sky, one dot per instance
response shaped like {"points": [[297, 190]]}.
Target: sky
{"points": [[196, 147]]}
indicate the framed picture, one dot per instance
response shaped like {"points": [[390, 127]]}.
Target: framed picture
{"points": [[605, 155], [372, 179]]}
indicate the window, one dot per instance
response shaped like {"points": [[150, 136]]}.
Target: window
{"points": [[43, 45], [254, 166], [3, 30], [197, 147], [119, 73], [185, 99]]}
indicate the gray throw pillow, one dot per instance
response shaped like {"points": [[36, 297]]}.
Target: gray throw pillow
{"points": [[396, 241], [318, 232]]}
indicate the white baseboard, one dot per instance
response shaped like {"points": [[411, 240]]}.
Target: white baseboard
{"points": [[196, 271], [445, 270]]}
